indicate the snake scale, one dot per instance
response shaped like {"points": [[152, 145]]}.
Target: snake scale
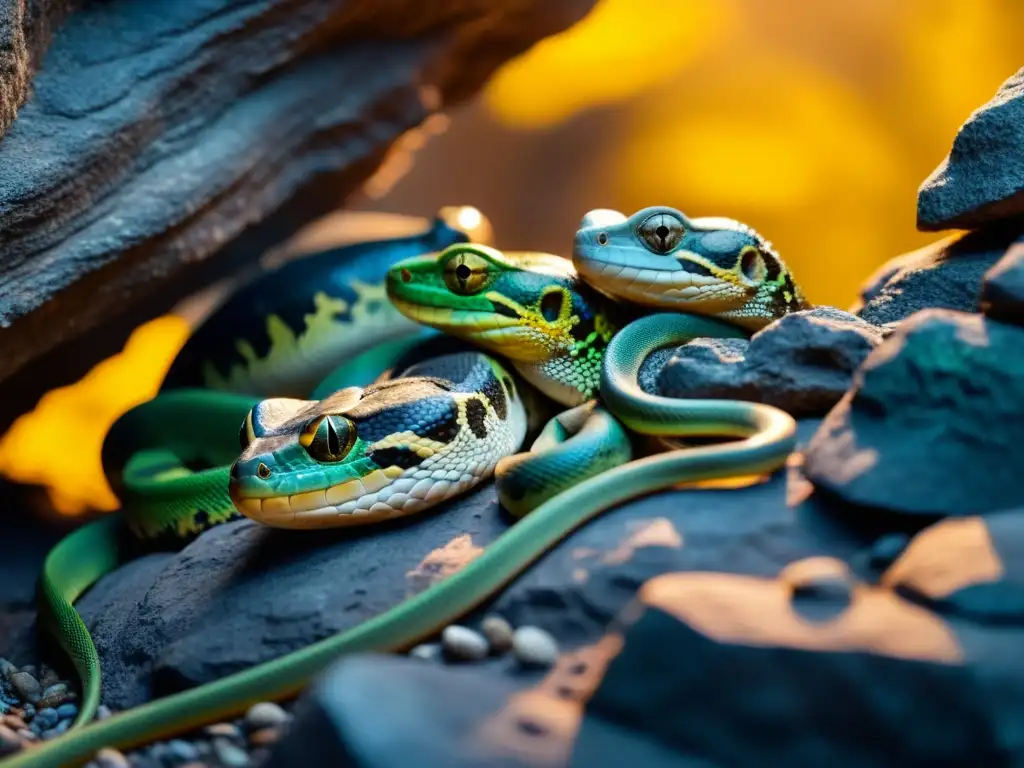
{"points": [[364, 449]]}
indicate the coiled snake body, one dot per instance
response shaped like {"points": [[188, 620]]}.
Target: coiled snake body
{"points": [[426, 433]]}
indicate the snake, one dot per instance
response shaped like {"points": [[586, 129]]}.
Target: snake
{"points": [[577, 331]]}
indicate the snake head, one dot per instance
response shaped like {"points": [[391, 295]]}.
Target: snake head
{"points": [[660, 257], [363, 455], [527, 306]]}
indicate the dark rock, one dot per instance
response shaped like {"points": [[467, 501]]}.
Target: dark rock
{"points": [[44, 719], [243, 593], [947, 274], [716, 668], [215, 128], [26, 686], [971, 567], [982, 178], [886, 549], [26, 27], [1002, 292], [933, 423], [385, 711], [802, 363]]}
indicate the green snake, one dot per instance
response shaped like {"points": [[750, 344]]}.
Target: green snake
{"points": [[423, 434]]}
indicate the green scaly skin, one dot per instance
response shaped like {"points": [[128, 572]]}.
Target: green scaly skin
{"points": [[768, 436]]}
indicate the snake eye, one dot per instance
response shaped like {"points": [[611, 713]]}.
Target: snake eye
{"points": [[661, 232], [246, 434], [467, 273], [328, 438]]}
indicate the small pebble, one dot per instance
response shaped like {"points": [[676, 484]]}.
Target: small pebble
{"points": [[181, 751], [57, 730], [534, 647], [103, 712], [48, 677], [66, 711], [26, 686], [28, 712], [14, 722], [6, 668], [426, 651], [265, 714], [45, 718], [110, 758], [229, 754], [54, 695], [463, 644], [264, 737], [498, 633], [10, 742], [223, 731], [27, 735], [30, 669]]}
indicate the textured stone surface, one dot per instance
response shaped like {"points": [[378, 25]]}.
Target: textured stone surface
{"points": [[803, 363], [163, 133], [26, 27], [1002, 293], [947, 274], [242, 594], [982, 178], [934, 422]]}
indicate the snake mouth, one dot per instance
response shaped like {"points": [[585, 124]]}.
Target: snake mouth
{"points": [[476, 324], [382, 494]]}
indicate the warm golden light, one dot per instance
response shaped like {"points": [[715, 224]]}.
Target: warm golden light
{"points": [[58, 444]]}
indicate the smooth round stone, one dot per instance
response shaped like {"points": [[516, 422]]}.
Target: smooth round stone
{"points": [[265, 714], [498, 633], [103, 712], [534, 647], [54, 695], [56, 731], [223, 731], [45, 719], [182, 751], [26, 686], [464, 644], [426, 651], [230, 755], [264, 737], [6, 668], [65, 711]]}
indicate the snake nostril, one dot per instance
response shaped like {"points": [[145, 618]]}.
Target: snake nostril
{"points": [[262, 471], [406, 276]]}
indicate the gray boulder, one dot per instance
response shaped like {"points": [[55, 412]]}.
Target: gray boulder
{"points": [[982, 179], [803, 363], [933, 424], [1002, 293], [242, 594], [947, 274]]}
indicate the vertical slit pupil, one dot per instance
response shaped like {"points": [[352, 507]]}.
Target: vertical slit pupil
{"points": [[333, 442]]}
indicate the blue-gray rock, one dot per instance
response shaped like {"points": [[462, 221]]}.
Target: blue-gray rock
{"points": [[802, 363], [970, 567], [391, 712], [933, 423], [1002, 292], [66, 711], [982, 178], [243, 593], [715, 670], [45, 719], [947, 274], [265, 69]]}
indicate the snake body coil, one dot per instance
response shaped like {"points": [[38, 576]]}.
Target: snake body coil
{"points": [[354, 456]]}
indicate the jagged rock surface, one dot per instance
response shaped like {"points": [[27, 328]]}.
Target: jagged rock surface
{"points": [[803, 363], [947, 274], [160, 134], [933, 422], [982, 178]]}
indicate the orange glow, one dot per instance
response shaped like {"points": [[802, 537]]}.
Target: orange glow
{"points": [[58, 444]]}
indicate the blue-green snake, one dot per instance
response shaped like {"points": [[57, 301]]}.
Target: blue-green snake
{"points": [[421, 435]]}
